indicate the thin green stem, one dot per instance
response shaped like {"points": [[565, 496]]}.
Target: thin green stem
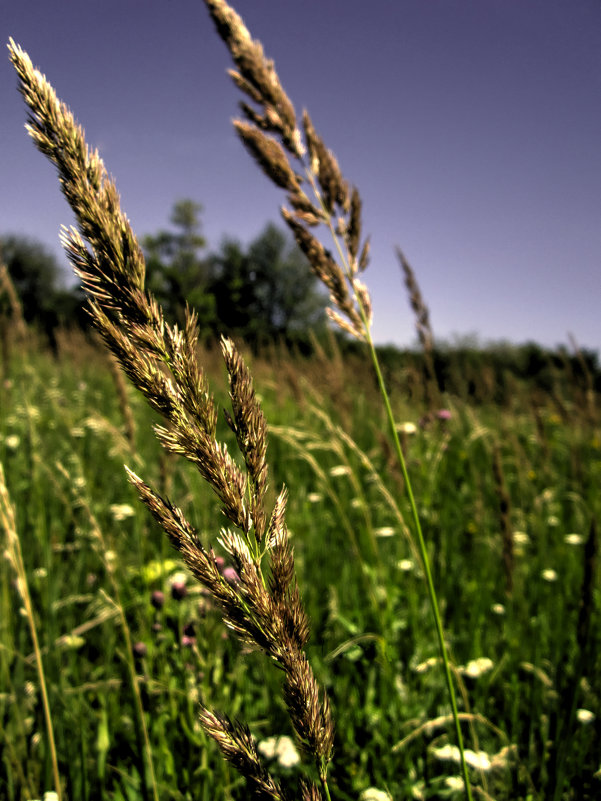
{"points": [[414, 512], [326, 789], [7, 520], [137, 699], [425, 561]]}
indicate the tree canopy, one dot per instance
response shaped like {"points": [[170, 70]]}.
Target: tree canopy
{"points": [[266, 292], [261, 293], [176, 272], [39, 283]]}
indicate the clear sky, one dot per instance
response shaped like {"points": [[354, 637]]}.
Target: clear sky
{"points": [[472, 129]]}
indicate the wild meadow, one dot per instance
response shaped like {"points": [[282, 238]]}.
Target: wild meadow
{"points": [[353, 585]]}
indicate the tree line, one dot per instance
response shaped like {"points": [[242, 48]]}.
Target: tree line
{"points": [[264, 293], [261, 293]]}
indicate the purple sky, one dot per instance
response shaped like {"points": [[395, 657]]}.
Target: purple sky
{"points": [[472, 129]]}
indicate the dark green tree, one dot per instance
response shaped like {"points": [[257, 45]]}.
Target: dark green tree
{"points": [[176, 272], [40, 284], [267, 292]]}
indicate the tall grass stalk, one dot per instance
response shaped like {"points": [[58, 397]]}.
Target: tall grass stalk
{"points": [[15, 558], [270, 134], [434, 606], [161, 361], [264, 606]]}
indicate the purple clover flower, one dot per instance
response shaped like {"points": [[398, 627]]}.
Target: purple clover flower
{"points": [[157, 599], [230, 575]]}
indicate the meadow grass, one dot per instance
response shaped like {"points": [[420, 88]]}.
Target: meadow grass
{"points": [[486, 627], [62, 447]]}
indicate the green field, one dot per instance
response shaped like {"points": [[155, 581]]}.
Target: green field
{"points": [[508, 495]]}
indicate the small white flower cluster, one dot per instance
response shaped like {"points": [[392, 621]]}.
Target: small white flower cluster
{"points": [[520, 538], [12, 442], [423, 667], [584, 716], [454, 783], [280, 748], [475, 759], [385, 531], [121, 511], [477, 667], [373, 794], [340, 470]]}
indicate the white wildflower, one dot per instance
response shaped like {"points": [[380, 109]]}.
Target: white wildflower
{"points": [[475, 759], [444, 752], [406, 565], [520, 538], [584, 716], [497, 609], [385, 531], [12, 442], [574, 539], [424, 666], [314, 497], [340, 470], [178, 578], [280, 748], [373, 794], [454, 782], [549, 575], [121, 511], [477, 667], [406, 428]]}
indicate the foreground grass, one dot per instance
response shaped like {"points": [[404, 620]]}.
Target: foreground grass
{"points": [[509, 499]]}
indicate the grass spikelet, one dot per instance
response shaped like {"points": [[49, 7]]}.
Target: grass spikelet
{"points": [[422, 314], [423, 327], [129, 422], [12, 323], [257, 77], [238, 747], [334, 204], [162, 362], [339, 209], [7, 289]]}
